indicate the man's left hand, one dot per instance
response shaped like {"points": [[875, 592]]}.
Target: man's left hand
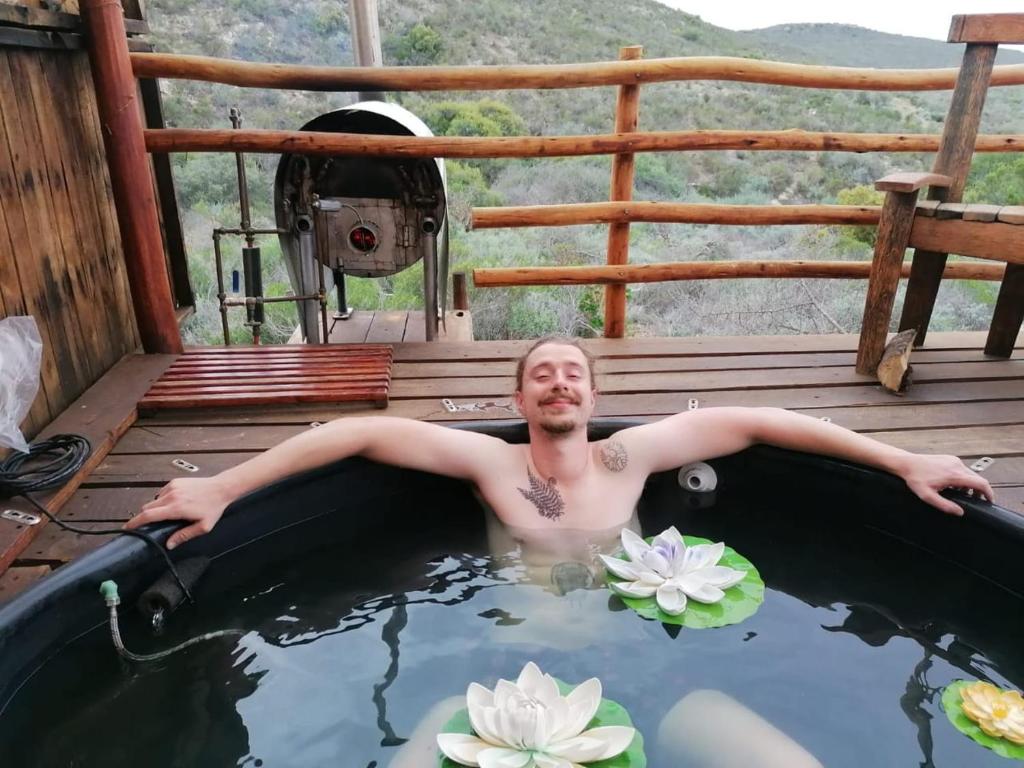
{"points": [[926, 475]]}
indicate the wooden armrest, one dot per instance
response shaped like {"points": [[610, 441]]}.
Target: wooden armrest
{"points": [[987, 28], [911, 181]]}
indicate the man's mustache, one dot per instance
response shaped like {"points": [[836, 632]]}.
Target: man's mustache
{"points": [[560, 395]]}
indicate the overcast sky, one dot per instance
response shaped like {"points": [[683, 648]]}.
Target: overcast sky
{"points": [[896, 16]]}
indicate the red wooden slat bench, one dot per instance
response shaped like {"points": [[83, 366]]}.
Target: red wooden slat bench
{"points": [[205, 377]]}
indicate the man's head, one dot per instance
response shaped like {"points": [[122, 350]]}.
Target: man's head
{"points": [[555, 386]]}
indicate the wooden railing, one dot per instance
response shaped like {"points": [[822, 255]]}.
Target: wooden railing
{"points": [[628, 74]]}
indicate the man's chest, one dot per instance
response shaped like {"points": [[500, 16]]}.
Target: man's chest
{"points": [[527, 500]]}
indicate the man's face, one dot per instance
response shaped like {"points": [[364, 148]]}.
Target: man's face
{"points": [[557, 393]]}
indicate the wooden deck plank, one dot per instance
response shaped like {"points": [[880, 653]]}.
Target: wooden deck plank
{"points": [[16, 579], [708, 380], [56, 546], [415, 327], [203, 438], [704, 345], [387, 327], [106, 505], [351, 331], [604, 366], [643, 404], [1012, 498], [102, 415]]}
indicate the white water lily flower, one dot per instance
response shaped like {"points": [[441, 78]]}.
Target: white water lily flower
{"points": [[670, 571], [529, 724]]}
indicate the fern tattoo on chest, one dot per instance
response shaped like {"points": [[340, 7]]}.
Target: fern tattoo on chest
{"points": [[544, 496]]}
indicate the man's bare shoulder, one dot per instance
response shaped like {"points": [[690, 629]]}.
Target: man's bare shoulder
{"points": [[688, 436]]}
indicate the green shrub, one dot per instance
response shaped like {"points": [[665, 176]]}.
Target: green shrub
{"points": [[862, 194], [420, 46]]}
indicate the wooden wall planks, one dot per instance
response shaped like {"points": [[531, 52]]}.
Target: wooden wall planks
{"points": [[60, 251]]}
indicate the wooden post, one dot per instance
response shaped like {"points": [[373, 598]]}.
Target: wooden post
{"points": [[893, 236], [1009, 313], [130, 177], [627, 109], [364, 24], [953, 160], [460, 298]]}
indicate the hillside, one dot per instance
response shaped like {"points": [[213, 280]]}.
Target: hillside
{"points": [[493, 32], [844, 45]]}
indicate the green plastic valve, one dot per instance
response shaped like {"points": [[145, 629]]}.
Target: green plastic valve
{"points": [[109, 591]]}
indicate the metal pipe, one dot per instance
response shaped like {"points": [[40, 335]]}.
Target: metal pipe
{"points": [[307, 261], [429, 228], [253, 271], [235, 115], [323, 303], [254, 300], [253, 230], [221, 294], [344, 310]]}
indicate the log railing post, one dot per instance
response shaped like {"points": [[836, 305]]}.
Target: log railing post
{"points": [[1008, 315], [460, 296], [954, 160], [627, 109], [890, 247], [130, 177]]}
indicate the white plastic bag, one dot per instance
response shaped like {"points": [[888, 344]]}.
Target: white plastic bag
{"points": [[21, 350]]}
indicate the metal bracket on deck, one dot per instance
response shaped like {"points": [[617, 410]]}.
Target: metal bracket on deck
{"points": [[983, 463], [478, 407], [185, 465], [826, 419], [693, 404], [316, 423], [22, 518]]}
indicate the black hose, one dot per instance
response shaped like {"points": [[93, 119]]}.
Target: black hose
{"points": [[51, 463]]}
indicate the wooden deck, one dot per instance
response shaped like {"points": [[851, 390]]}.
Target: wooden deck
{"points": [[392, 327], [961, 403]]}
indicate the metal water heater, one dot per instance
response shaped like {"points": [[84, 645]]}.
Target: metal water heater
{"points": [[362, 216]]}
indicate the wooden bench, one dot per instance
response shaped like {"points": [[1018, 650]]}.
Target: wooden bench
{"points": [[942, 224], [216, 377]]}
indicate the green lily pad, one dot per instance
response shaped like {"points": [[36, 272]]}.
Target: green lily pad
{"points": [[741, 600], [952, 704], [608, 713]]}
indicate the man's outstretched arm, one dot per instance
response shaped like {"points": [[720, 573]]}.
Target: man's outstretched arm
{"points": [[706, 434], [402, 442]]}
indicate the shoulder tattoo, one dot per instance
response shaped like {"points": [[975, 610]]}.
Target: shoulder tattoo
{"points": [[544, 496], [614, 456]]}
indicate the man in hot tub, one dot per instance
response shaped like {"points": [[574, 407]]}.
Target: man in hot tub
{"points": [[559, 480], [561, 498]]}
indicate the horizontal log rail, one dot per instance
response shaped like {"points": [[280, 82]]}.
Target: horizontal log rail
{"points": [[671, 213], [322, 143], [505, 277], [547, 76]]}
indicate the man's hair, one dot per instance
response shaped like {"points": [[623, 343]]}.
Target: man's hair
{"points": [[568, 341]]}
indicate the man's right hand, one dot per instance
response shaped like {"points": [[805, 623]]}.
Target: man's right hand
{"points": [[201, 500]]}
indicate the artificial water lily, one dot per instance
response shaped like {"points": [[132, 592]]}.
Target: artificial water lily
{"points": [[998, 713], [670, 571], [529, 724]]}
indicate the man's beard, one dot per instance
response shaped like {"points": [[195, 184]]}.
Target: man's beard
{"points": [[559, 426]]}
